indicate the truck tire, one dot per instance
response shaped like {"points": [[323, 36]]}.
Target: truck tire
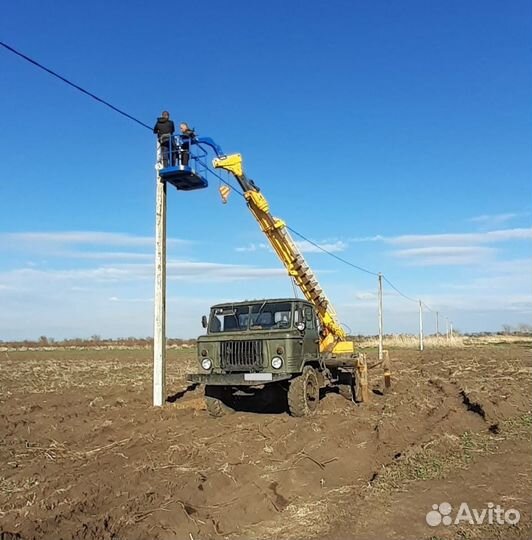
{"points": [[349, 387], [345, 391], [304, 393], [217, 400]]}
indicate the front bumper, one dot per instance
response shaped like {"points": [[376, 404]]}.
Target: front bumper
{"points": [[237, 379]]}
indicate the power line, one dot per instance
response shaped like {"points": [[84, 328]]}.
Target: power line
{"points": [[131, 117], [341, 259], [331, 253], [104, 102], [423, 303], [318, 246], [74, 85], [397, 290]]}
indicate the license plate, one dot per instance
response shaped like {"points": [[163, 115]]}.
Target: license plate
{"points": [[257, 376]]}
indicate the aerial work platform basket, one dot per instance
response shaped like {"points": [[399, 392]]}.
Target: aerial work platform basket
{"points": [[181, 161], [183, 178]]}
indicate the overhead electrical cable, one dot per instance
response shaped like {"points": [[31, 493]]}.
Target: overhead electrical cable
{"points": [[74, 85], [235, 189], [330, 252], [397, 290]]}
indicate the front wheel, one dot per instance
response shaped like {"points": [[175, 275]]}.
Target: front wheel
{"points": [[218, 400], [304, 393]]}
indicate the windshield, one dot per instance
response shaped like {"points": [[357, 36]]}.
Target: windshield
{"points": [[265, 316]]}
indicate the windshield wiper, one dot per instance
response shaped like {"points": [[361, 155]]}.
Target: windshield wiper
{"points": [[258, 316]]}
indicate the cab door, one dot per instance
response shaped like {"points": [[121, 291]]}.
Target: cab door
{"points": [[310, 337]]}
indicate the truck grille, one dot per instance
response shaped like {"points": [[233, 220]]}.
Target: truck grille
{"points": [[240, 355]]}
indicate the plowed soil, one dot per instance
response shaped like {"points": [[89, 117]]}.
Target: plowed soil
{"points": [[84, 455]]}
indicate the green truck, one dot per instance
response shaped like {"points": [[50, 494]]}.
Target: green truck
{"points": [[253, 344], [297, 346]]}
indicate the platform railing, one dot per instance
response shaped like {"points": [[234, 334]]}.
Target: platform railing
{"points": [[180, 151]]}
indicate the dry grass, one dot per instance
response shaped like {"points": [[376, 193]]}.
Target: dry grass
{"points": [[445, 454], [412, 342], [90, 346]]}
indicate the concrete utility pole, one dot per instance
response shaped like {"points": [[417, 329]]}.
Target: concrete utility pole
{"points": [[380, 316], [451, 329], [437, 324], [159, 325], [420, 326], [447, 328]]}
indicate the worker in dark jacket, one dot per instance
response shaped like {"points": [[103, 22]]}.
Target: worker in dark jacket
{"points": [[186, 137], [164, 129]]}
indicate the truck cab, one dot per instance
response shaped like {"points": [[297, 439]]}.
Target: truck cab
{"points": [[255, 343]]}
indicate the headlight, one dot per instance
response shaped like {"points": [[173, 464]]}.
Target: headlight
{"points": [[277, 362], [206, 363]]}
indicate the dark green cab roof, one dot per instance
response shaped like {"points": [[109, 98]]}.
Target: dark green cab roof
{"points": [[261, 301]]}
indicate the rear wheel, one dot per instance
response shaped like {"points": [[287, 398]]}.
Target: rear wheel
{"points": [[218, 400], [345, 391], [349, 386], [304, 393]]}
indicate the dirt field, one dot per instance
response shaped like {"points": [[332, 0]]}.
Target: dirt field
{"points": [[84, 455]]}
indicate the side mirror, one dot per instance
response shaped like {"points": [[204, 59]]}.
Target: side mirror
{"points": [[204, 321], [301, 326]]}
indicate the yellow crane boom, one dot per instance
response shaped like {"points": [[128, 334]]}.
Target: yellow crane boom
{"points": [[334, 338]]}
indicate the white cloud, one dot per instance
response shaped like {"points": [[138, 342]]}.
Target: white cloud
{"points": [[454, 239], [365, 296], [83, 245], [252, 247], [493, 220], [487, 237], [503, 277], [447, 255], [105, 255], [375, 238], [333, 247], [482, 301], [303, 245], [200, 271], [90, 238], [134, 300], [109, 293], [179, 270], [511, 266], [116, 300], [452, 248], [470, 309]]}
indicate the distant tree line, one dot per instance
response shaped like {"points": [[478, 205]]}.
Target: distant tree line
{"points": [[95, 341], [520, 329]]}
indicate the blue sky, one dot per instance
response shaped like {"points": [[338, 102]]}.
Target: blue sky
{"points": [[397, 134]]}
